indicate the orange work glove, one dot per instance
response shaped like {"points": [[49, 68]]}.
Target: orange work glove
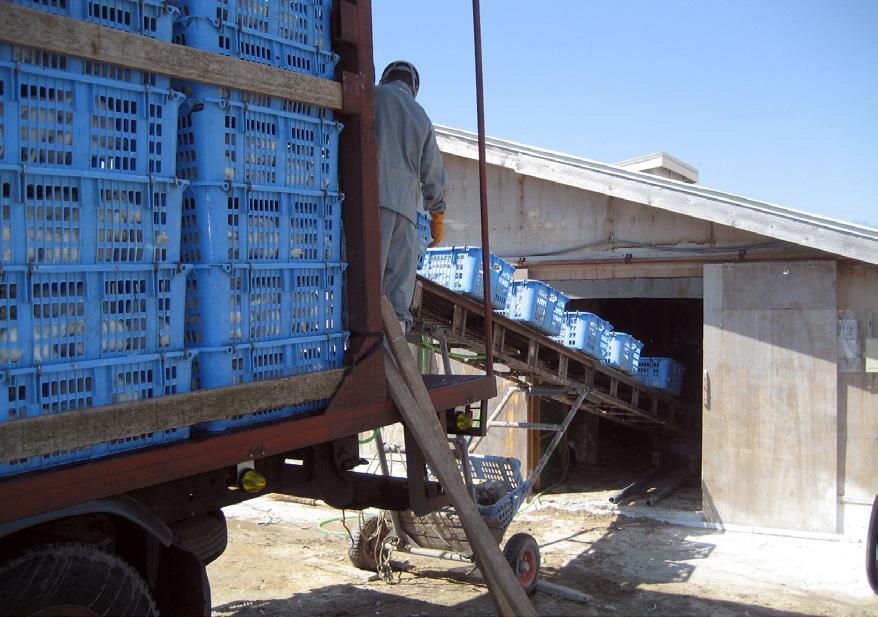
{"points": [[437, 227]]}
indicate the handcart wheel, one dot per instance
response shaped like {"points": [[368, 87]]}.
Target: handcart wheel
{"points": [[364, 540], [523, 554], [872, 548]]}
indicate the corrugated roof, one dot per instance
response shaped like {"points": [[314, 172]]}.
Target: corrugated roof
{"points": [[831, 235]]}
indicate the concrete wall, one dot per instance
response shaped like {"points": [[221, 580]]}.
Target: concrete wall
{"points": [[769, 420], [857, 398], [530, 216]]}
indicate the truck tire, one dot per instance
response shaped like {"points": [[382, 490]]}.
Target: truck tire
{"points": [[205, 535], [523, 555], [872, 548], [73, 579], [364, 539]]}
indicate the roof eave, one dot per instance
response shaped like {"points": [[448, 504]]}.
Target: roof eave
{"points": [[833, 236]]}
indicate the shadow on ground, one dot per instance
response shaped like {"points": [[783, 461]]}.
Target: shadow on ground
{"points": [[356, 601]]}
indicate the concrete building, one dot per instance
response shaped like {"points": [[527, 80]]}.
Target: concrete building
{"points": [[773, 311]]}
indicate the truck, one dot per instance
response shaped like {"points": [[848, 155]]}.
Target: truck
{"points": [[144, 523], [114, 493]]}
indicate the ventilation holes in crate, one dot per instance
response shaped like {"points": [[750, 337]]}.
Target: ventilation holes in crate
{"points": [[65, 390], [46, 113], [125, 313], [52, 208], [160, 225], [190, 250], [120, 224], [10, 337], [193, 330], [114, 131], [58, 317], [263, 226], [6, 231], [155, 139], [266, 301], [132, 382]]}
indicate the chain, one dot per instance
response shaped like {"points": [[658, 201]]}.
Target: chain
{"points": [[383, 550]]}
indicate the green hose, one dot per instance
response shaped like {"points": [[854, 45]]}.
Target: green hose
{"points": [[335, 519], [372, 438]]}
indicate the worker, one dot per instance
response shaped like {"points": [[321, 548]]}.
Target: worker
{"points": [[411, 175]]}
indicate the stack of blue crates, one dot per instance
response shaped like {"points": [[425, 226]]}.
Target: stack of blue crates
{"points": [[91, 290], [459, 268], [261, 220], [538, 305]]}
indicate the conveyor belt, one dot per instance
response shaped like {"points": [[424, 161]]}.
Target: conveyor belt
{"points": [[532, 358]]}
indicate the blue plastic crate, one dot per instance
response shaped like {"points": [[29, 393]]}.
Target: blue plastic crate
{"points": [[63, 388], [152, 18], [504, 471], [538, 305], [68, 114], [223, 366], [257, 140], [78, 218], [623, 352], [293, 35], [226, 223], [587, 333], [231, 304], [460, 269], [57, 314], [423, 237], [664, 374]]}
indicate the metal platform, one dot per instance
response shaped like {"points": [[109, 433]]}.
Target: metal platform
{"points": [[534, 360]]}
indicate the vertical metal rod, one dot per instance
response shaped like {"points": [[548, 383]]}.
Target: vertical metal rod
{"points": [[443, 348], [556, 439], [497, 410], [463, 454], [385, 470], [483, 191]]}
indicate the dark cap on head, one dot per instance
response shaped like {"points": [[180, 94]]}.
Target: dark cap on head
{"points": [[402, 70]]}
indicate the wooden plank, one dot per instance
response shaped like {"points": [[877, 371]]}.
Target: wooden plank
{"points": [[583, 270], [22, 26], [75, 429], [411, 397]]}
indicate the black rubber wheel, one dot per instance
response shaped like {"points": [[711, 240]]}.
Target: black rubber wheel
{"points": [[523, 554], [872, 548], [73, 580], [365, 539], [206, 535]]}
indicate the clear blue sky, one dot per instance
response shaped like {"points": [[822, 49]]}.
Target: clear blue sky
{"points": [[772, 99]]}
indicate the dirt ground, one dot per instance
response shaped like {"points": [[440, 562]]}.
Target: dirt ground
{"points": [[280, 563]]}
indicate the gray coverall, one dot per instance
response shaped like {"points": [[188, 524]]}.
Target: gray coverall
{"points": [[411, 174]]}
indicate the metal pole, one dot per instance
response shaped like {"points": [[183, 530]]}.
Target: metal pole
{"points": [[460, 446], [635, 486], [509, 392], [385, 470], [557, 438], [483, 191]]}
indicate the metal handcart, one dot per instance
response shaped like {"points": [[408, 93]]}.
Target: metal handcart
{"points": [[499, 491], [495, 484]]}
